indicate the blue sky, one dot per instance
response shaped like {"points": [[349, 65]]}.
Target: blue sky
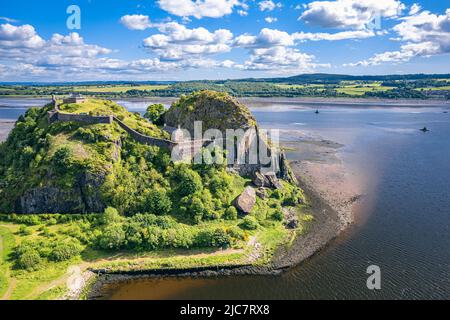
{"points": [[219, 39]]}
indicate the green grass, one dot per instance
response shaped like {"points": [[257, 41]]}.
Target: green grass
{"points": [[7, 243], [361, 89]]}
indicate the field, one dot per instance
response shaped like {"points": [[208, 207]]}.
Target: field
{"points": [[119, 88]]}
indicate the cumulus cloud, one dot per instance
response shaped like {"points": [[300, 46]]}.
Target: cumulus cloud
{"points": [[176, 42], [200, 8], [323, 36], [280, 59], [355, 14], [415, 8], [272, 50], [268, 5], [19, 37], [136, 22], [423, 34], [23, 53]]}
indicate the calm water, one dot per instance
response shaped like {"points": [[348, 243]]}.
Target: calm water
{"points": [[403, 224]]}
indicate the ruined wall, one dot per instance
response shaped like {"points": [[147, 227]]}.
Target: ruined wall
{"points": [[84, 118], [139, 137]]}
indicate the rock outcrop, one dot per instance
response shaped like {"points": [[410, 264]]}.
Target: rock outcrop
{"points": [[246, 201], [83, 197], [216, 110]]}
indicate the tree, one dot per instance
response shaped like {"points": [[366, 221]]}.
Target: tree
{"points": [[186, 181], [111, 215], [113, 237], [155, 113], [231, 213], [249, 223], [158, 202]]}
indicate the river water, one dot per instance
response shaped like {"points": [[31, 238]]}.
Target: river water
{"points": [[402, 225]]}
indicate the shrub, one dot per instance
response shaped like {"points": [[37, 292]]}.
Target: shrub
{"points": [[158, 202], [112, 237], [221, 238], [111, 215], [278, 215], [186, 181], [62, 159], [249, 223], [230, 213], [29, 260], [25, 231], [65, 250]]}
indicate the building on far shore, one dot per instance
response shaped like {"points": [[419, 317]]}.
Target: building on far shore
{"points": [[74, 98]]}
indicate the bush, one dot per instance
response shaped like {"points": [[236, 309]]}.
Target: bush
{"points": [[62, 159], [25, 231], [111, 215], [65, 250], [158, 202], [221, 238], [112, 237], [278, 215], [231, 213], [29, 260], [249, 223], [186, 181]]}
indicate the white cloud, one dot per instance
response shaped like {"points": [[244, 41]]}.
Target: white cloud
{"points": [[271, 19], [136, 22], [344, 35], [242, 13], [424, 34], [280, 59], [200, 8], [176, 42], [19, 37], [415, 8], [269, 5], [356, 14], [9, 20], [266, 38]]}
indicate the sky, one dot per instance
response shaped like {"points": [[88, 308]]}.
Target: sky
{"points": [[92, 40]]}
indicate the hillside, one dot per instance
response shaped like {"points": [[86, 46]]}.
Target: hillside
{"points": [[97, 198]]}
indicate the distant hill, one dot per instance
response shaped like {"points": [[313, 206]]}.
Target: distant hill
{"points": [[335, 78], [298, 79]]}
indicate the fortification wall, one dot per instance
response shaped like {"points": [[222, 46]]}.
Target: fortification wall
{"points": [[84, 118], [139, 137]]}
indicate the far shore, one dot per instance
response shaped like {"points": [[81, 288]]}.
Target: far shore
{"points": [[313, 101]]}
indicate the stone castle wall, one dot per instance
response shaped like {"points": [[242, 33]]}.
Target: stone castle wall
{"points": [[190, 148]]}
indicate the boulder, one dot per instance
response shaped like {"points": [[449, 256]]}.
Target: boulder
{"points": [[246, 201], [293, 224], [260, 180], [273, 180], [261, 193]]}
